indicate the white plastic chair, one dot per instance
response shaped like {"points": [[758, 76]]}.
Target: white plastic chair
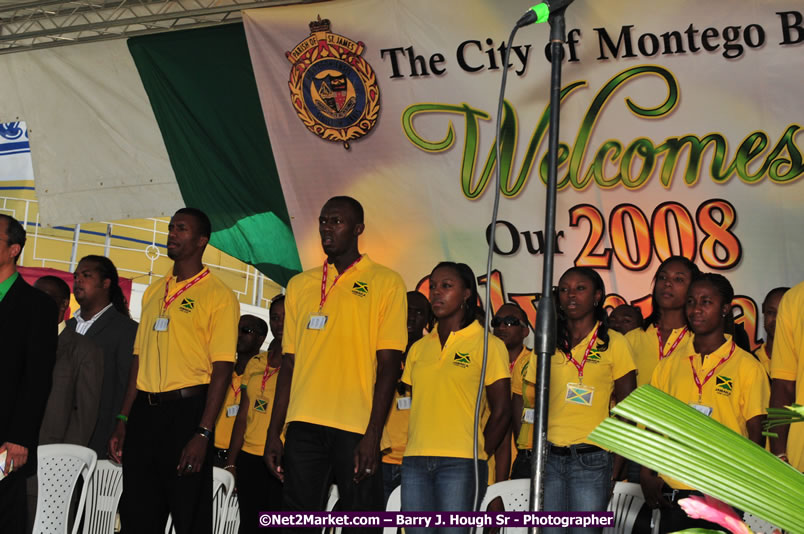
{"points": [[103, 496], [223, 483], [394, 504], [515, 495], [222, 488], [332, 500], [626, 501], [757, 524], [59, 466], [232, 516]]}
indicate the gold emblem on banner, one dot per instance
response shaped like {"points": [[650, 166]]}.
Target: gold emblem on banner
{"points": [[332, 87]]}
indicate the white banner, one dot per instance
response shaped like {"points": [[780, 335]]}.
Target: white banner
{"points": [[97, 150], [680, 133]]}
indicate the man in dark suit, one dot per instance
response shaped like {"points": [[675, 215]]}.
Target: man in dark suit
{"points": [[104, 318], [28, 330], [72, 407]]}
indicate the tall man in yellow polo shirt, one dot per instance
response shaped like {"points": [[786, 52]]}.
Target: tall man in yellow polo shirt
{"points": [[345, 330], [182, 366], [787, 374]]}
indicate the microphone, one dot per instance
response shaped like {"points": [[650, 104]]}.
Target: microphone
{"points": [[541, 12]]}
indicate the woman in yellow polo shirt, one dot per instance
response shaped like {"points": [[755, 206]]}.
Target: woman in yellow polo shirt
{"points": [[714, 376], [443, 370], [257, 489], [591, 363], [665, 329]]}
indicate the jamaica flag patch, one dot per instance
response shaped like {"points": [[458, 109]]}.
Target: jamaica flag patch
{"points": [[261, 405], [594, 356], [360, 289], [461, 359], [723, 385], [187, 305], [579, 395]]}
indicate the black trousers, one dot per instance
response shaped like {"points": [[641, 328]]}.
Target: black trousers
{"points": [[257, 491], [152, 489], [315, 456], [521, 466], [13, 503]]}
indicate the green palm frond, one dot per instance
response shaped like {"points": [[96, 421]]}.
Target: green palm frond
{"points": [[783, 416], [690, 447]]}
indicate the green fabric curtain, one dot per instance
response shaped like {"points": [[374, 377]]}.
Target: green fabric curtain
{"points": [[204, 97]]}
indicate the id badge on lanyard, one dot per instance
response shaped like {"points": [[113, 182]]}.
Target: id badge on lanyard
{"points": [[161, 323], [317, 321]]}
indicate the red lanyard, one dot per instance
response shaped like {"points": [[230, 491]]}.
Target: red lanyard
{"points": [[324, 292], [513, 363], [168, 301], [580, 366], [235, 390], [662, 355], [266, 375], [710, 373]]}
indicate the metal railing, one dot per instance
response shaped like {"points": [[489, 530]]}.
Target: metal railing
{"points": [[137, 248]]}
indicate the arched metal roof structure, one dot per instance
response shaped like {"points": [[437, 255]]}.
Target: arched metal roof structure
{"points": [[49, 23]]}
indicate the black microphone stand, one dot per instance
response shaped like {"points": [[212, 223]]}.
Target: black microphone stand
{"points": [[546, 316]]}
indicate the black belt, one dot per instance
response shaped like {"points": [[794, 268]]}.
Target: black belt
{"points": [[579, 449], [155, 399]]}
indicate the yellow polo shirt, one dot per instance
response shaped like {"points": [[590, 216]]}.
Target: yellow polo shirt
{"points": [[261, 402], [225, 422], [202, 329], [335, 367], [764, 359], [645, 348], [569, 423], [444, 383], [518, 387], [788, 362], [738, 391], [395, 433]]}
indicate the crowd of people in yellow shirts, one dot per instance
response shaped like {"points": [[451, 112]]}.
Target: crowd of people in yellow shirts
{"points": [[313, 409], [688, 347]]}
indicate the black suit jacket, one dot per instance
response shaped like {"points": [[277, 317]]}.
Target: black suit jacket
{"points": [[28, 333], [114, 333]]}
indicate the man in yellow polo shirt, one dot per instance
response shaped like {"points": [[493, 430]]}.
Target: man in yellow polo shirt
{"points": [[345, 330], [510, 324], [182, 366], [251, 332], [770, 308], [395, 433], [787, 374]]}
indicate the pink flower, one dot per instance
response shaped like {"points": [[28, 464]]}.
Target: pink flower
{"points": [[715, 511]]}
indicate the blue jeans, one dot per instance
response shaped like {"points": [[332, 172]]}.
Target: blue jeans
{"points": [[440, 484], [391, 478], [577, 482]]}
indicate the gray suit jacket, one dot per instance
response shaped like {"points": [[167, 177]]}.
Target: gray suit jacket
{"points": [[114, 333], [72, 408]]}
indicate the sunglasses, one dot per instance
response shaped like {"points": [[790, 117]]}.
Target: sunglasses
{"points": [[508, 320], [246, 330]]}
